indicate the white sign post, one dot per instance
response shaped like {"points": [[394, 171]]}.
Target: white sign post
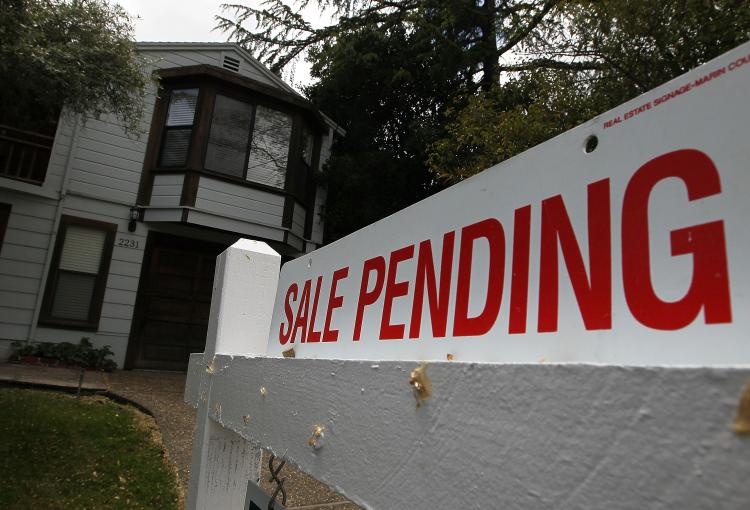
{"points": [[592, 304], [223, 462]]}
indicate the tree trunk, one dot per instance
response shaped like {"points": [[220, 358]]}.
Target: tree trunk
{"points": [[490, 74]]}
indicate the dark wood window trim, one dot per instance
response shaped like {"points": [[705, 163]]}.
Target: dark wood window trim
{"points": [[95, 307], [4, 216]]}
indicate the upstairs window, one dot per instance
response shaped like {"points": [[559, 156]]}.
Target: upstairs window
{"points": [[231, 124], [179, 127], [75, 287], [269, 149]]}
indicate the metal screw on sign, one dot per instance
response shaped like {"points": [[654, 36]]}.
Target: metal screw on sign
{"points": [[279, 482]]}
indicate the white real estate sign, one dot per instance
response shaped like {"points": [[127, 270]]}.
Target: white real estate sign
{"points": [[635, 253]]}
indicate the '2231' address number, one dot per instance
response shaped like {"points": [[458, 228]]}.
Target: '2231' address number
{"points": [[126, 243]]}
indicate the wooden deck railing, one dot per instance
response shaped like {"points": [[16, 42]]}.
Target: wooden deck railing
{"points": [[24, 155]]}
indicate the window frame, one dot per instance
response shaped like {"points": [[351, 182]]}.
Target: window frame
{"points": [[164, 128], [4, 218], [97, 298]]}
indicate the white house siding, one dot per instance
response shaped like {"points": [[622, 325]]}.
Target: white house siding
{"points": [[167, 190], [22, 258], [239, 202], [122, 281], [106, 162], [175, 56]]}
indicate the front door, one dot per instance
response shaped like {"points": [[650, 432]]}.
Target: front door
{"points": [[174, 298]]}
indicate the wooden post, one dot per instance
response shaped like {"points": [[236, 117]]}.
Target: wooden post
{"points": [[241, 307]]}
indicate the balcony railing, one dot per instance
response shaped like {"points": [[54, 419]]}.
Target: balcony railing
{"points": [[24, 155]]}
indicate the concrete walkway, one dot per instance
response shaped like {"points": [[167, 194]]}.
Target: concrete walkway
{"points": [[161, 394]]}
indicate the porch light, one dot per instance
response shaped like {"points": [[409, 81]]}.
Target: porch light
{"points": [[133, 218]]}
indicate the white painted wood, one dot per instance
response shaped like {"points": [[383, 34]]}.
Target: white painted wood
{"points": [[22, 258], [167, 190], [15, 283], [24, 253], [104, 189], [10, 315], [123, 283], [230, 224], [217, 207], [202, 53], [496, 436], [15, 299], [117, 311], [156, 214], [26, 238], [239, 201], [223, 462]]}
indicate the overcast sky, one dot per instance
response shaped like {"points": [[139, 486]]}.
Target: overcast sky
{"points": [[192, 20], [174, 20]]}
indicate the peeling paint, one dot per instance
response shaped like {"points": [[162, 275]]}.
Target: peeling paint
{"points": [[742, 421]]}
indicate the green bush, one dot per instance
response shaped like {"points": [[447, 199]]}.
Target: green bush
{"points": [[84, 354]]}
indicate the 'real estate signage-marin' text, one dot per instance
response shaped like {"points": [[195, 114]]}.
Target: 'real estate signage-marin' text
{"points": [[637, 252]]}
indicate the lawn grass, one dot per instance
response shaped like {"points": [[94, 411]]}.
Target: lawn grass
{"points": [[59, 452]]}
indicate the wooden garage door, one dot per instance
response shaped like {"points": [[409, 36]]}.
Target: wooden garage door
{"points": [[174, 298]]}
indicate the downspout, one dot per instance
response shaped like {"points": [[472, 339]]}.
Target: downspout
{"points": [[55, 227]]}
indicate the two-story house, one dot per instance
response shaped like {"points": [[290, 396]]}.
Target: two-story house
{"points": [[114, 238]]}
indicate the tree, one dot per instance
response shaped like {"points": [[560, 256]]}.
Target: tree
{"points": [[375, 84], [76, 54], [481, 32], [590, 57]]}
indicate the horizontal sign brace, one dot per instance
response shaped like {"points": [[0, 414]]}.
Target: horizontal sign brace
{"points": [[556, 432]]}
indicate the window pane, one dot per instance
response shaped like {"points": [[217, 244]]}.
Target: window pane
{"points": [[270, 147], [82, 249], [73, 295], [182, 107], [175, 149], [307, 146], [227, 141]]}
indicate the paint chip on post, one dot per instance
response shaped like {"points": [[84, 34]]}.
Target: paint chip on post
{"points": [[742, 421], [420, 383]]}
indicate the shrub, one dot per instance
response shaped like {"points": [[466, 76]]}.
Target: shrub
{"points": [[84, 354]]}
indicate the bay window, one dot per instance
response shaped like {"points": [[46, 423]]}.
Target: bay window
{"points": [[234, 133]]}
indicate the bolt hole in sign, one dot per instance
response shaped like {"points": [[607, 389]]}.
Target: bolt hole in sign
{"points": [[634, 250]]}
